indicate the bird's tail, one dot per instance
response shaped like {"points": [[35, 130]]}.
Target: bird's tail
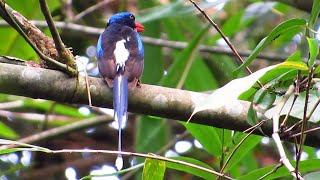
{"points": [[120, 105]]}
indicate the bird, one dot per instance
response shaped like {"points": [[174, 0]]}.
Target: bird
{"points": [[120, 56]]}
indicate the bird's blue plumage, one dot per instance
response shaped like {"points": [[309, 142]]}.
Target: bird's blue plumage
{"points": [[99, 49], [140, 45], [120, 56]]}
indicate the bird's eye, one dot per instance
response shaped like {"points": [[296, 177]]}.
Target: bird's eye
{"points": [[132, 17]]}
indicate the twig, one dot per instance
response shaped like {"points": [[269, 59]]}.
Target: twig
{"points": [[87, 83], [256, 126], [63, 52], [271, 172], [161, 151], [18, 27], [67, 9], [240, 143], [305, 132], [150, 156], [304, 120], [11, 104], [276, 118], [30, 147], [296, 94], [222, 35], [91, 9], [158, 42], [313, 109], [62, 130]]}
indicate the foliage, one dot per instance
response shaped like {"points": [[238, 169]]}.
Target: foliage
{"points": [[274, 29]]}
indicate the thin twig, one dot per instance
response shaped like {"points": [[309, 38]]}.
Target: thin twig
{"points": [[305, 132], [169, 145], [63, 52], [313, 109], [276, 118], [239, 144], [54, 32], [157, 42], [58, 131], [67, 9], [296, 94], [91, 9], [304, 120], [271, 172], [222, 35], [150, 156], [18, 28], [256, 126]]}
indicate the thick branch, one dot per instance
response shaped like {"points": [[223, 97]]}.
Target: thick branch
{"points": [[149, 99]]}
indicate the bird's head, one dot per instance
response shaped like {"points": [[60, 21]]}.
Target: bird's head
{"points": [[127, 19]]}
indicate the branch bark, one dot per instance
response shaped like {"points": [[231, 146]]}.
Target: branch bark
{"points": [[149, 99]]}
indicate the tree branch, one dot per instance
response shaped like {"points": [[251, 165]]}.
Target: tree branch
{"points": [[149, 99], [81, 29], [34, 37], [63, 52]]}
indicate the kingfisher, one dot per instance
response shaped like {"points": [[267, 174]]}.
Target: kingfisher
{"points": [[120, 54]]}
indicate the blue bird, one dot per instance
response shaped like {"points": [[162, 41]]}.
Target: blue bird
{"points": [[120, 56]]}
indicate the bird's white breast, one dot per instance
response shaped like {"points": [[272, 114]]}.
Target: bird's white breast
{"points": [[121, 53]]}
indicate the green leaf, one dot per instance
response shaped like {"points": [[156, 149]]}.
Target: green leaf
{"points": [[305, 166], [283, 71], [296, 56], [317, 70], [187, 169], [314, 15], [263, 99], [200, 77], [316, 87], [15, 45], [54, 107], [151, 135], [181, 65], [153, 169], [229, 93], [281, 29], [233, 25], [8, 151], [252, 117], [153, 64], [207, 136], [313, 50], [312, 176], [298, 108], [7, 132], [245, 148]]}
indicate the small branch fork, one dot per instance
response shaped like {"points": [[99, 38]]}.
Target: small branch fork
{"points": [[304, 121], [276, 119], [64, 54], [35, 38]]}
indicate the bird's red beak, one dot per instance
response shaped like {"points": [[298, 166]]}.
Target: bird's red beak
{"points": [[139, 27]]}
